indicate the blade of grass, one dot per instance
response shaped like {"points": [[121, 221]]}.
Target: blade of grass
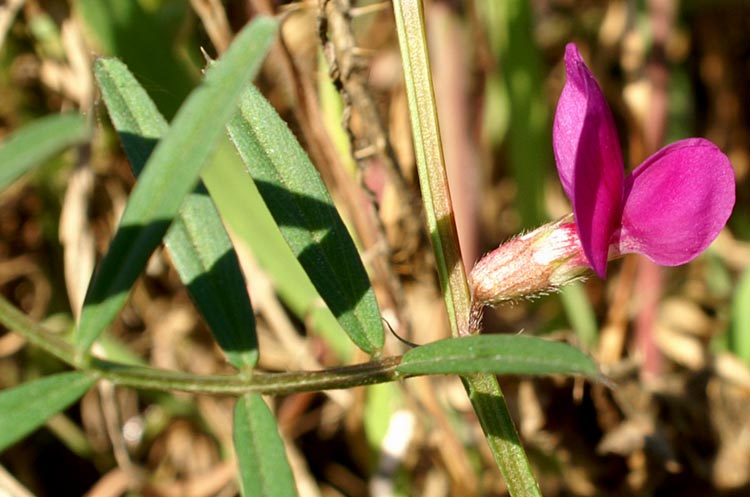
{"points": [[483, 389], [24, 408], [509, 28], [39, 141], [200, 246], [297, 198], [580, 315], [171, 172], [70, 434], [381, 402], [264, 469], [149, 38], [739, 337]]}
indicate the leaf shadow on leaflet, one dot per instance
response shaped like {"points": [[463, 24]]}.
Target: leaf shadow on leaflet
{"points": [[123, 258], [332, 261], [139, 148], [203, 288], [235, 334]]}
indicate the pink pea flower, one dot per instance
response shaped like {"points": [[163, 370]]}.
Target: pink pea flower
{"points": [[670, 208]]}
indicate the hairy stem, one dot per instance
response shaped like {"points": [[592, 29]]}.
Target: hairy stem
{"points": [[378, 371], [369, 373]]}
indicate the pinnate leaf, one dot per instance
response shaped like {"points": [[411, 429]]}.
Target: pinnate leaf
{"points": [[169, 175], [198, 243]]}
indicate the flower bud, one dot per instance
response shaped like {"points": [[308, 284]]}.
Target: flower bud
{"points": [[537, 262]]}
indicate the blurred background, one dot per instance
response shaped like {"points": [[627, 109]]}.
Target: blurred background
{"points": [[674, 341]]}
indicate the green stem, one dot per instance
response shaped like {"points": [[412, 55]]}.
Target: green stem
{"points": [[489, 403], [483, 389], [428, 148], [17, 321], [369, 373], [379, 371]]}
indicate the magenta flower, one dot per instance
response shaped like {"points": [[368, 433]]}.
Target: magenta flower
{"points": [[670, 208]]}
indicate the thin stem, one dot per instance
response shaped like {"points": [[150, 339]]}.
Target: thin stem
{"points": [[428, 149], [17, 321], [489, 403], [369, 373], [483, 389]]}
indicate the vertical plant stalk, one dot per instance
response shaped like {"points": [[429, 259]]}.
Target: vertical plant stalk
{"points": [[483, 389], [433, 180]]}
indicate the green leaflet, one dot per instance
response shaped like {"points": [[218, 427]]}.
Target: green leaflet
{"points": [[243, 210], [169, 175], [497, 354], [39, 141], [264, 470], [24, 408], [198, 243], [303, 209]]}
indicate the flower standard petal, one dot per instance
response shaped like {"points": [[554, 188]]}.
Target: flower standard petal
{"points": [[677, 202], [589, 161]]}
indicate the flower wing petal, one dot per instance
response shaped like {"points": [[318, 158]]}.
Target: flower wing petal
{"points": [[677, 202], [589, 161]]}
